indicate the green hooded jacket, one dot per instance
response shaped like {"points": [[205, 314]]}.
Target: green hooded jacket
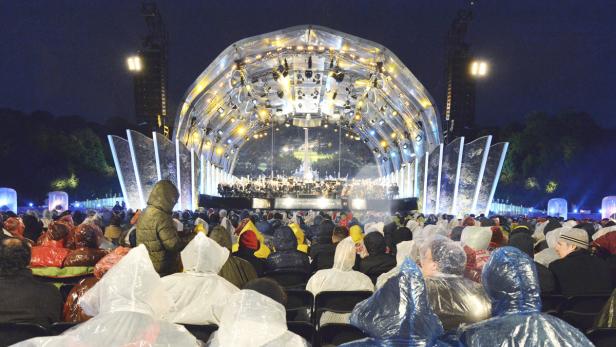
{"points": [[235, 270], [156, 230]]}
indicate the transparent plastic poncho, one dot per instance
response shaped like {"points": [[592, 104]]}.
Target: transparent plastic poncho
{"points": [[252, 319], [477, 238], [341, 276], [510, 280], [195, 292], [399, 313], [455, 299], [127, 304]]}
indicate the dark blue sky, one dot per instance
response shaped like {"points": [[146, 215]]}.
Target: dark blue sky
{"points": [[68, 57]]}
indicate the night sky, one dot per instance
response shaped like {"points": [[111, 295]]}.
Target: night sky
{"points": [[68, 57]]}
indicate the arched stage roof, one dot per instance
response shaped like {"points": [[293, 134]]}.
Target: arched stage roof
{"points": [[308, 76]]}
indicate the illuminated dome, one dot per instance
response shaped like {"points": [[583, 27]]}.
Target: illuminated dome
{"points": [[308, 76]]}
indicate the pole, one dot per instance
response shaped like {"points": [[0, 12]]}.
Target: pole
{"points": [[339, 146], [272, 154]]}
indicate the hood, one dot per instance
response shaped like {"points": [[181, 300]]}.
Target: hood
{"points": [[87, 236], [131, 285], [603, 231], [413, 225], [250, 319], [356, 233], [299, 233], [375, 243], [477, 238], [284, 239], [510, 280], [523, 242], [399, 310], [326, 229], [221, 236], [164, 196], [401, 234], [551, 237], [371, 227], [246, 224], [344, 257], [203, 255], [403, 250]]}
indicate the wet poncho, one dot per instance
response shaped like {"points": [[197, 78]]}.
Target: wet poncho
{"points": [[285, 255], [399, 313], [253, 319], [510, 280], [199, 288], [341, 277], [127, 304]]}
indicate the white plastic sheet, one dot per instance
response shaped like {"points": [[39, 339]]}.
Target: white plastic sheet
{"points": [[196, 291]]}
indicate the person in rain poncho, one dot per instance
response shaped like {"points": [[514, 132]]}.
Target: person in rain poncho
{"points": [[285, 255], [127, 305], [157, 231], [235, 270], [478, 238], [300, 236], [548, 255], [455, 299], [262, 251], [225, 222], [377, 262], [195, 291], [403, 250], [252, 319], [398, 314], [341, 277], [510, 280], [322, 251], [524, 242]]}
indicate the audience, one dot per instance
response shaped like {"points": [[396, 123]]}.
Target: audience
{"points": [[248, 245], [157, 231], [254, 316], [377, 262], [577, 272], [24, 299], [524, 242], [322, 251], [235, 270], [196, 290], [510, 280], [398, 314], [286, 257], [455, 299], [126, 305]]}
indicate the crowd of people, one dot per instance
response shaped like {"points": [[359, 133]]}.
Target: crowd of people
{"points": [[436, 280], [295, 187]]}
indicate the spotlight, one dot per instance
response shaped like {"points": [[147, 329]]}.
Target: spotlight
{"points": [[308, 72], [220, 132], [30, 204], [381, 122], [221, 110], [405, 146]]}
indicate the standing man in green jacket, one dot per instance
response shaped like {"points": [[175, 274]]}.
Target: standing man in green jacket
{"points": [[156, 230]]}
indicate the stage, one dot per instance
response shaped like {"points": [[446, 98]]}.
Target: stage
{"points": [[308, 203]]}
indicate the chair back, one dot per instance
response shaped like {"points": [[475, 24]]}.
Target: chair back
{"points": [[603, 337], [60, 327], [337, 301], [11, 333], [289, 279], [335, 334], [201, 332], [581, 311], [303, 329]]}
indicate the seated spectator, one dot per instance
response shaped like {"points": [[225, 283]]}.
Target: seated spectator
{"points": [[341, 277], [24, 299], [255, 316], [14, 227], [357, 235], [340, 233], [511, 283], [126, 306], [404, 250], [398, 235], [377, 262], [246, 224], [72, 312], [398, 314], [248, 245], [498, 238], [606, 239], [33, 226], [235, 270], [455, 299], [322, 251], [577, 272], [300, 236], [195, 291], [524, 242], [114, 230], [478, 239], [548, 255], [87, 239], [286, 257]]}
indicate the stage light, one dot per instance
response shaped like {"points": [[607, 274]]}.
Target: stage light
{"points": [[405, 146], [219, 150], [221, 110], [208, 144], [220, 132], [229, 141], [575, 210], [77, 204], [241, 130], [30, 204], [372, 132], [601, 211], [479, 68], [357, 117], [134, 63], [383, 143], [358, 204]]}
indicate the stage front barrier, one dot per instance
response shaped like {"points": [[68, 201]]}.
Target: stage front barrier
{"points": [[493, 167], [143, 155]]}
